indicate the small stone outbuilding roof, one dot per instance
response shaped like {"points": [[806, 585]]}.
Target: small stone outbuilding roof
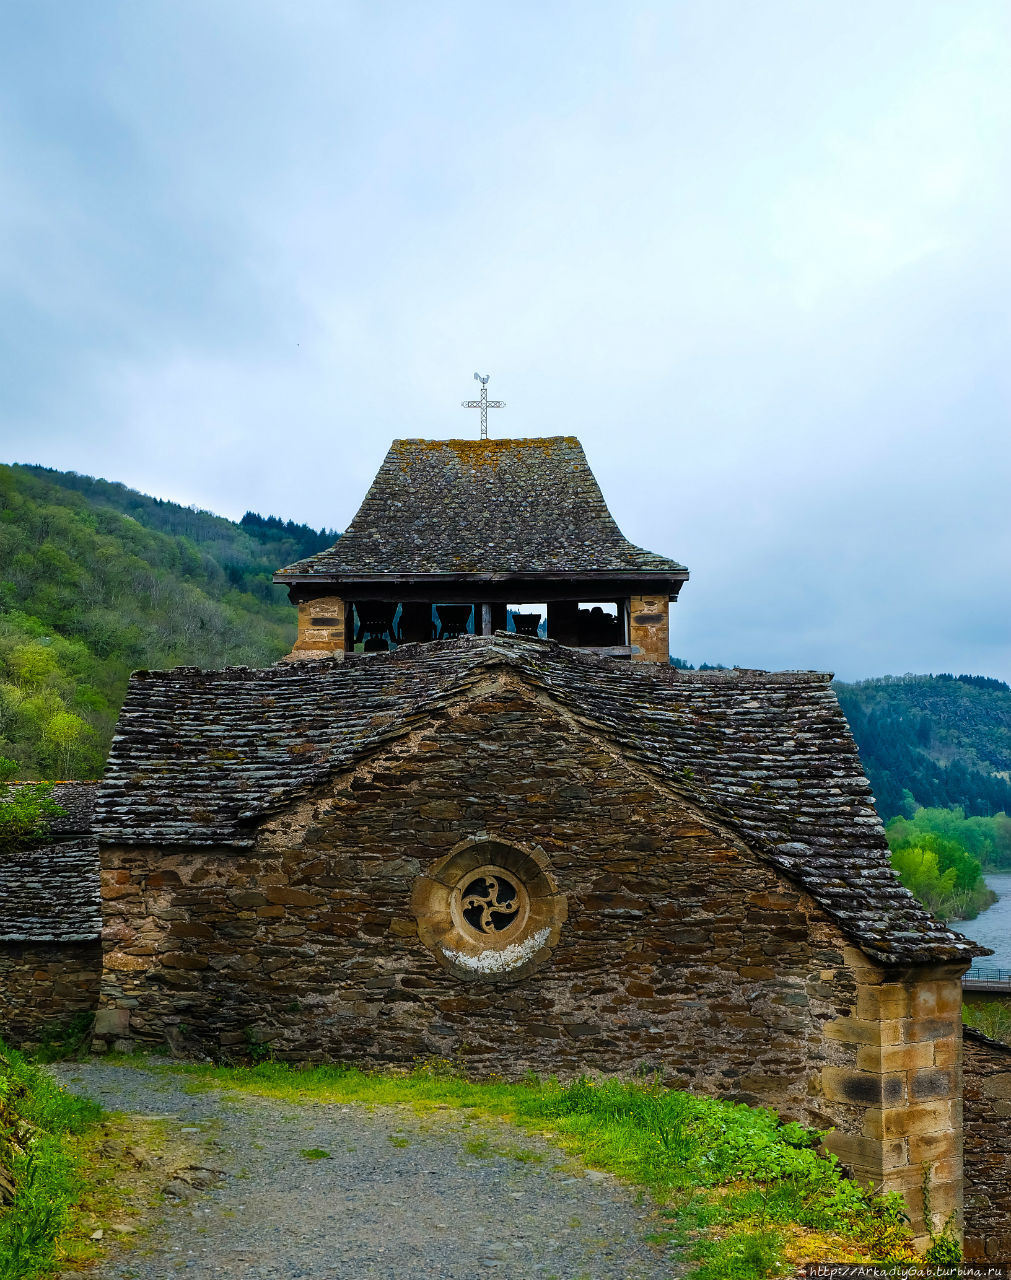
{"points": [[482, 507], [51, 893], [202, 757]]}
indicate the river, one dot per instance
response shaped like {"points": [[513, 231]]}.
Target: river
{"points": [[992, 927]]}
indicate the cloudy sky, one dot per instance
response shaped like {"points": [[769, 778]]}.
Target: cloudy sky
{"points": [[756, 256]]}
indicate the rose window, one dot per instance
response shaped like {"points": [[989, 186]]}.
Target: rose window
{"points": [[489, 910], [491, 902]]}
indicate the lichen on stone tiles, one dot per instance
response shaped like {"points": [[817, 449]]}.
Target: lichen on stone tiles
{"points": [[162, 784], [51, 893], [483, 506]]}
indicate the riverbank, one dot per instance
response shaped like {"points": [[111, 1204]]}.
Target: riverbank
{"points": [[992, 927]]}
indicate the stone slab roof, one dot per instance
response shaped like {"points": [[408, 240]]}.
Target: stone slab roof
{"points": [[77, 799], [201, 757], [979, 1037], [482, 507], [51, 893]]}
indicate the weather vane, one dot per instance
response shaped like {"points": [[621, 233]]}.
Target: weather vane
{"points": [[484, 404]]}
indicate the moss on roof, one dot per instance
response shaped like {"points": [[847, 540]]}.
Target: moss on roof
{"points": [[202, 757], [529, 506]]}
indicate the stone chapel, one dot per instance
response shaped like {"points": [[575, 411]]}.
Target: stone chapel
{"points": [[436, 831]]}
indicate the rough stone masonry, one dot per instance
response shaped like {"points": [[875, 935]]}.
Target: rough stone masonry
{"points": [[521, 857], [560, 855]]}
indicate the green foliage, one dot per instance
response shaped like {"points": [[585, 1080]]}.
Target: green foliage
{"points": [[65, 1039], [293, 541], [97, 580], [36, 1120], [933, 741], [284, 540], [738, 1175], [992, 1018], [938, 868], [919, 872], [986, 840], [944, 1245], [257, 1050], [944, 1249], [25, 810], [745, 1255]]}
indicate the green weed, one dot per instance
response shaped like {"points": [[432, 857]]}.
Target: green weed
{"points": [[61, 1040], [992, 1018], [944, 1245], [746, 1255], [36, 1120], [256, 1050]]}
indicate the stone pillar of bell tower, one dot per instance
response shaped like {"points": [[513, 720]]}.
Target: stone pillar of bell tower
{"points": [[320, 628], [649, 628]]}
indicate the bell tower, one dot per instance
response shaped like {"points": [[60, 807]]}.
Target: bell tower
{"points": [[460, 536]]}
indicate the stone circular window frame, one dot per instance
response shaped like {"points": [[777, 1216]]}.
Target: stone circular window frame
{"points": [[501, 936], [505, 955]]}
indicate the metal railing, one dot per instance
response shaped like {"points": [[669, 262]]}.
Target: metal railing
{"points": [[988, 977]]}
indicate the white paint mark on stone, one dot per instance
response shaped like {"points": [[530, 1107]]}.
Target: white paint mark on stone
{"points": [[503, 959]]}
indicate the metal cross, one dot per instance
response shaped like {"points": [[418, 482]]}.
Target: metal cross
{"points": [[484, 404]]}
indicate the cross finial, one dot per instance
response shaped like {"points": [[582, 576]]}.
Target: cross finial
{"points": [[484, 404]]}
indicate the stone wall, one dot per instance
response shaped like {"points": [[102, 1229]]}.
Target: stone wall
{"points": [[649, 628], [987, 1103], [905, 1030], [321, 628], [44, 984], [675, 948]]}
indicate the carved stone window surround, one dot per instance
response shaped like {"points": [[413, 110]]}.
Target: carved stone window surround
{"points": [[489, 910]]}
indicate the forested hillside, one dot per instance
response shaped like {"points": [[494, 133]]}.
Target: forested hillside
{"points": [[96, 580], [935, 741]]}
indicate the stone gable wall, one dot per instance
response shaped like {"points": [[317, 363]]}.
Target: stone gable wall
{"points": [[675, 939], [682, 952], [987, 1103], [43, 984]]}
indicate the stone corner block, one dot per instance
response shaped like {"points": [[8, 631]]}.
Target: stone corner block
{"points": [[112, 1022]]}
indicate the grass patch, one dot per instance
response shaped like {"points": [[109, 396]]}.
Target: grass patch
{"points": [[42, 1176], [992, 1018], [485, 1149], [74, 1179], [744, 1195], [125, 1161]]}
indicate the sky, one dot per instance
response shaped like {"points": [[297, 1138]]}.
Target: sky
{"points": [[755, 256]]}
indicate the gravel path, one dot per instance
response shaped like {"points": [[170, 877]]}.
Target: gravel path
{"points": [[402, 1197]]}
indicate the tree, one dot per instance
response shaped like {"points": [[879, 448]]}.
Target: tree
{"points": [[919, 872], [66, 731]]}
